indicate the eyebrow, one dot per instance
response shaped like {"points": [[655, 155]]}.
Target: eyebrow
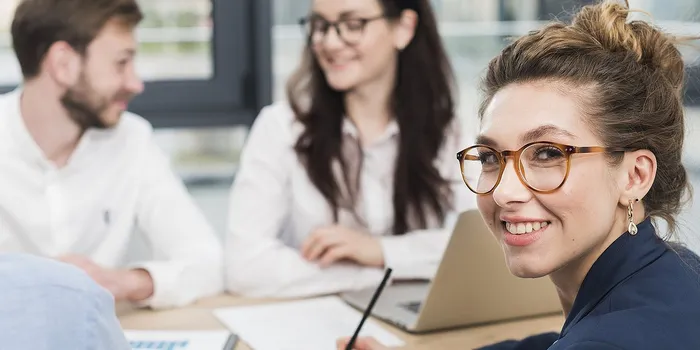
{"points": [[129, 52], [485, 140], [545, 130], [343, 15], [535, 134]]}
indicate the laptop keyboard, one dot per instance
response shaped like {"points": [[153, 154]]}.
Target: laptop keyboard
{"points": [[413, 306]]}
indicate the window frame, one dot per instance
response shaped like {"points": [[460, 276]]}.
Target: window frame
{"points": [[241, 83]]}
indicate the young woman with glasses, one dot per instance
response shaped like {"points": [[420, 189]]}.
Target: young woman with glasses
{"points": [[579, 154], [355, 171]]}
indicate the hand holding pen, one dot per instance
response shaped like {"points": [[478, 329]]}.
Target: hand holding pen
{"points": [[365, 343]]}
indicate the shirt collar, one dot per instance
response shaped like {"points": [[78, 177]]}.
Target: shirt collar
{"points": [[350, 129], [26, 146], [24, 142], [627, 255]]}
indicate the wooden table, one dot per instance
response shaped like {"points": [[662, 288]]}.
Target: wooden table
{"points": [[199, 317]]}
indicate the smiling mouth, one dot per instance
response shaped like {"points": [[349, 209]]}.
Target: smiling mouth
{"points": [[339, 62], [520, 228]]}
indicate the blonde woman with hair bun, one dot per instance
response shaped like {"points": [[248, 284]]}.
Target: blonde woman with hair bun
{"points": [[579, 153]]}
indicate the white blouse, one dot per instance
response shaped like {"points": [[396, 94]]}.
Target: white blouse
{"points": [[274, 206]]}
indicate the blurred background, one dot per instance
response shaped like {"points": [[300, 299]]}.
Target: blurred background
{"points": [[210, 65]]}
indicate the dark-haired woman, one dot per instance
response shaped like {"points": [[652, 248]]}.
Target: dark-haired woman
{"points": [[356, 171]]}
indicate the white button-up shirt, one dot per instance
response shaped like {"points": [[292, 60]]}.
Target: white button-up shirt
{"points": [[274, 207], [116, 181]]}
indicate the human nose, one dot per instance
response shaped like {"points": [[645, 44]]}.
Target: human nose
{"points": [[510, 189], [134, 83], [332, 38]]}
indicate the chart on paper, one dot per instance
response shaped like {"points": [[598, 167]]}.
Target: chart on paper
{"points": [[180, 340], [167, 345]]}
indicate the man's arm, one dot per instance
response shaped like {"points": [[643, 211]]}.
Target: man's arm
{"points": [[187, 261]]}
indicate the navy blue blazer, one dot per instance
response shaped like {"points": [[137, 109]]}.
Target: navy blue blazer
{"points": [[641, 293]]}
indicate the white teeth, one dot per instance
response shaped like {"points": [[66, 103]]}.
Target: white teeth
{"points": [[337, 62], [525, 227]]}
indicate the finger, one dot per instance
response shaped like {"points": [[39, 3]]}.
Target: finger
{"points": [[309, 242], [95, 272], [313, 238], [342, 343], [322, 244], [334, 254], [109, 279], [78, 261], [317, 249], [361, 343]]}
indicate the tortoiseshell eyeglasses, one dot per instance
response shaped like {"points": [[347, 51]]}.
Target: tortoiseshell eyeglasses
{"points": [[541, 166]]}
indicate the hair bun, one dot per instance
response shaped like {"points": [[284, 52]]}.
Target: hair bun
{"points": [[607, 23]]}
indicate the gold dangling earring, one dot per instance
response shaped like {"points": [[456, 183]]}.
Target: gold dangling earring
{"points": [[631, 228]]}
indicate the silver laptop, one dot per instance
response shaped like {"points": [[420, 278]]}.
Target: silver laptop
{"points": [[472, 286]]}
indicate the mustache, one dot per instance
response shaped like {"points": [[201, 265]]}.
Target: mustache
{"points": [[123, 96]]}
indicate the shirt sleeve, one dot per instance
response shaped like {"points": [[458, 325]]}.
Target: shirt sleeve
{"points": [[51, 305], [102, 326], [417, 254], [187, 262], [258, 262]]}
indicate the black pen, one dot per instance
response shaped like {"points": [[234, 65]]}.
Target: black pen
{"points": [[368, 310]]}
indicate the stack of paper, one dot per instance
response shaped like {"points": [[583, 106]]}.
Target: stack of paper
{"points": [[181, 340], [312, 324]]}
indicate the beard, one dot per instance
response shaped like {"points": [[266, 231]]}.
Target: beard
{"points": [[86, 107]]}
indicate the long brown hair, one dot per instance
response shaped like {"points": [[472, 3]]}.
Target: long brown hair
{"points": [[422, 103]]}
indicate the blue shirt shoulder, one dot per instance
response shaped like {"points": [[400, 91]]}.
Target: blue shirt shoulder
{"points": [[51, 305]]}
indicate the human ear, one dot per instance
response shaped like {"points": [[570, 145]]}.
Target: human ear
{"points": [[63, 63], [639, 171], [405, 29]]}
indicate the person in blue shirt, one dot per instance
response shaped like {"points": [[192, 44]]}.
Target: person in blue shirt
{"points": [[579, 156], [46, 304]]}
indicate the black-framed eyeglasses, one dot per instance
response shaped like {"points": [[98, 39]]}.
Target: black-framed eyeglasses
{"points": [[541, 166], [349, 30]]}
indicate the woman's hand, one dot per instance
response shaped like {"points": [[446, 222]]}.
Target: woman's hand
{"points": [[366, 343], [330, 244]]}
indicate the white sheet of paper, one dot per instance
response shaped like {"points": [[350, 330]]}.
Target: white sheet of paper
{"points": [[177, 340], [311, 324]]}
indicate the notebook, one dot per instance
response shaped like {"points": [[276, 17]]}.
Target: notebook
{"points": [[310, 324]]}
